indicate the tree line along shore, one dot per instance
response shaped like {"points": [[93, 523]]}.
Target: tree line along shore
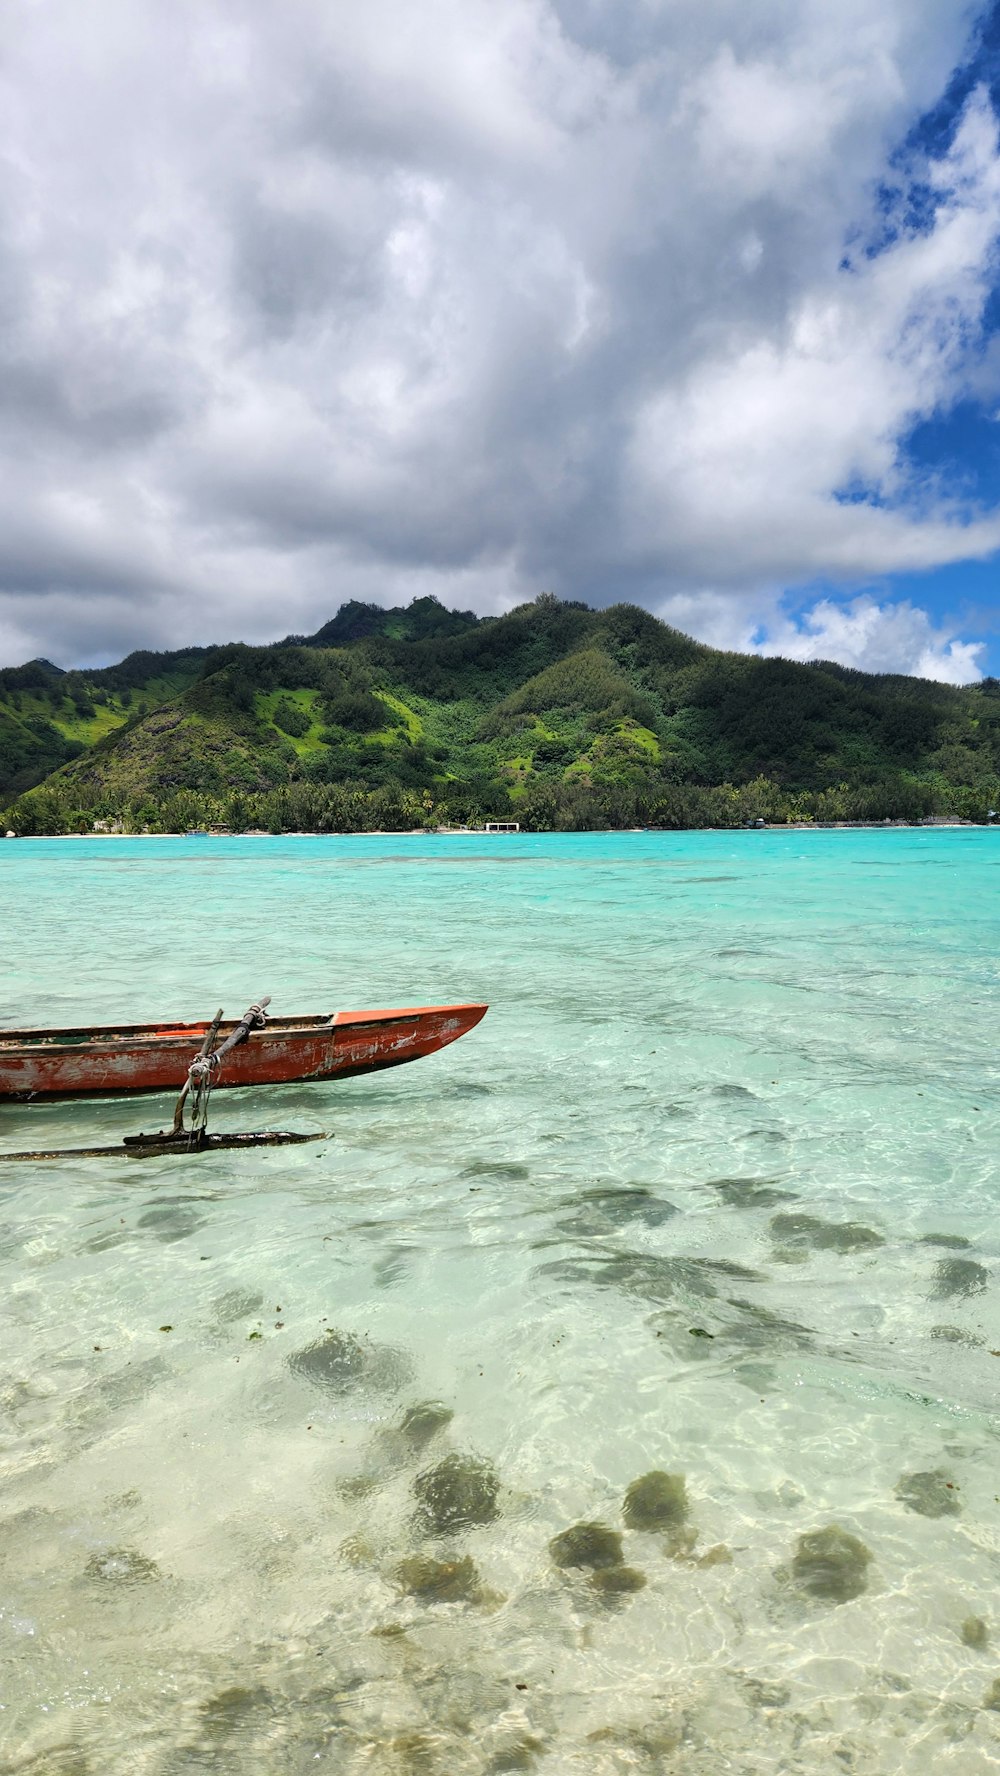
{"points": [[47, 814]]}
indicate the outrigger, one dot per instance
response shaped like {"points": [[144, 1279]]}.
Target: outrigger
{"points": [[136, 1058]]}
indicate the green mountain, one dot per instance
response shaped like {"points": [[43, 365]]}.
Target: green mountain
{"points": [[555, 714]]}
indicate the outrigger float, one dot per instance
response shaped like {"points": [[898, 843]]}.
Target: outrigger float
{"points": [[136, 1058]]}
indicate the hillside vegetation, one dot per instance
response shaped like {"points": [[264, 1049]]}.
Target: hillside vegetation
{"points": [[556, 715]]}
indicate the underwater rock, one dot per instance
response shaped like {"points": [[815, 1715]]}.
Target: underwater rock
{"points": [[587, 1544], [336, 1361], [975, 1633], [168, 1221], [518, 1751], [393, 1268], [719, 1555], [423, 1421], [464, 1697], [357, 1550], [831, 1564], [760, 1329], [992, 1696], [126, 1387], [750, 1193], [106, 1242], [728, 1267], [959, 1277], [955, 1242], [122, 1566], [648, 1276], [228, 1711], [237, 1304], [656, 1740], [957, 1335], [634, 1202], [681, 1542], [929, 1493], [440, 1581], [358, 1486], [656, 1501], [614, 1581], [125, 1501], [415, 1752], [396, 1447], [765, 1695], [339, 1362], [458, 1491], [608, 1208], [498, 1168], [784, 1497], [824, 1236], [55, 1760]]}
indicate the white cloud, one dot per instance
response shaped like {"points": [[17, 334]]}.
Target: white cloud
{"points": [[877, 638], [761, 436], [887, 636], [308, 304]]}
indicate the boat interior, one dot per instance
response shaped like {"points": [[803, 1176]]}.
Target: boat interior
{"points": [[164, 1032]]}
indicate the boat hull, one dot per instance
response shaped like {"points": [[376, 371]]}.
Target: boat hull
{"points": [[155, 1058]]}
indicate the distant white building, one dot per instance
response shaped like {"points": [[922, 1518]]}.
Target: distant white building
{"points": [[502, 826]]}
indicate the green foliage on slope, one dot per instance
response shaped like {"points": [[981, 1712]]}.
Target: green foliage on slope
{"points": [[48, 716], [554, 714]]}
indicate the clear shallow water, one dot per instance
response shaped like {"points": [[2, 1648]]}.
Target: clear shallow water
{"points": [[690, 1036]]}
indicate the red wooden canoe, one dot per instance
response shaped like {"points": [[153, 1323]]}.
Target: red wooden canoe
{"points": [[156, 1057]]}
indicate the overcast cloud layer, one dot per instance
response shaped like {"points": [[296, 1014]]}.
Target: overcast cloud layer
{"points": [[308, 302]]}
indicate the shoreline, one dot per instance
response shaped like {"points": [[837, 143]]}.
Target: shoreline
{"points": [[472, 832]]}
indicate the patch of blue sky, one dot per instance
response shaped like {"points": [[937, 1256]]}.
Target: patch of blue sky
{"points": [[950, 458], [965, 443], [932, 135], [906, 201], [902, 209], [963, 596], [858, 492]]}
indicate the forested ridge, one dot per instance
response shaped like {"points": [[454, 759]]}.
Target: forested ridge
{"points": [[554, 714]]}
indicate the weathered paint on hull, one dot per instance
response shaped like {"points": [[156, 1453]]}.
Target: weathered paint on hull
{"points": [[152, 1058]]}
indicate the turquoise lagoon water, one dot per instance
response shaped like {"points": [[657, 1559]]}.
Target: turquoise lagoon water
{"points": [[706, 1055]]}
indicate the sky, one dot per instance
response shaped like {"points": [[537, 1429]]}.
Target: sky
{"points": [[690, 303]]}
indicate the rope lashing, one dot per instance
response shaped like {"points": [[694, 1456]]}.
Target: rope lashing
{"points": [[204, 1070], [253, 1019], [202, 1065], [201, 1075]]}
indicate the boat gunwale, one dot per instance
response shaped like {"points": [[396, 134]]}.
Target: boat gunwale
{"points": [[119, 1037]]}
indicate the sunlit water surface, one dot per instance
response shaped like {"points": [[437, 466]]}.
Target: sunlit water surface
{"points": [[606, 1232]]}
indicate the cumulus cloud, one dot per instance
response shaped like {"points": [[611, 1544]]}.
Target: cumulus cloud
{"points": [[303, 304], [872, 634], [878, 638]]}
